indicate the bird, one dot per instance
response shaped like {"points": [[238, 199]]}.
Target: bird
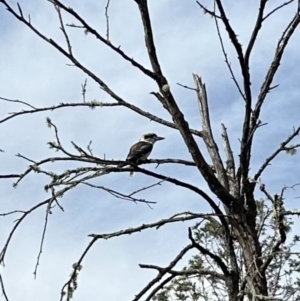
{"points": [[141, 150]]}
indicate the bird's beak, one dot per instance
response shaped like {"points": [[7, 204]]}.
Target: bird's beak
{"points": [[159, 138]]}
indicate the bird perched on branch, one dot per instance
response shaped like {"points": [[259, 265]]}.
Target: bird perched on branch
{"points": [[141, 150]]}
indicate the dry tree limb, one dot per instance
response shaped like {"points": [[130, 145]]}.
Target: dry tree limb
{"points": [[68, 288], [42, 239], [162, 273], [184, 272], [239, 51], [3, 289], [94, 32], [179, 217], [62, 27], [101, 83], [207, 11], [281, 148], [149, 40], [208, 137], [255, 31], [107, 20], [187, 87], [227, 61], [281, 45], [91, 104], [214, 257], [18, 101], [19, 221], [83, 88], [244, 150], [160, 286], [230, 164], [276, 9]]}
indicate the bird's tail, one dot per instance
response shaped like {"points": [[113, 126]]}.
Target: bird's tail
{"points": [[131, 174], [120, 165]]}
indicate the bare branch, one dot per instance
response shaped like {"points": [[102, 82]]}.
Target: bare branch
{"points": [[18, 101], [263, 189], [255, 31], [121, 195], [207, 11], [265, 88], [25, 214], [162, 273], [214, 257], [180, 217], [146, 188], [62, 27], [76, 267], [3, 289], [186, 87], [107, 20], [239, 51], [3, 252], [276, 9], [227, 61], [230, 164], [159, 287], [91, 30], [9, 176], [43, 236], [91, 104], [208, 138], [281, 148], [149, 40], [184, 272], [83, 88], [12, 212], [245, 149]]}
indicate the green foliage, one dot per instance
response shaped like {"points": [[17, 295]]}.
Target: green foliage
{"points": [[205, 285]]}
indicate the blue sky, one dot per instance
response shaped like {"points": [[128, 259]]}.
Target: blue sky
{"points": [[187, 43]]}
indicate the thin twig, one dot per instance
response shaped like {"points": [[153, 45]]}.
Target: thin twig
{"points": [[62, 27], [3, 288], [83, 89], [179, 218], [214, 257], [67, 285], [107, 20], [12, 212], [276, 9], [91, 30], [276, 152], [162, 273], [186, 87], [92, 104], [207, 11], [226, 60], [18, 101], [118, 194], [281, 45], [48, 211], [147, 187]]}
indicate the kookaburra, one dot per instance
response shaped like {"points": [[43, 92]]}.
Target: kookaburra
{"points": [[142, 149]]}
